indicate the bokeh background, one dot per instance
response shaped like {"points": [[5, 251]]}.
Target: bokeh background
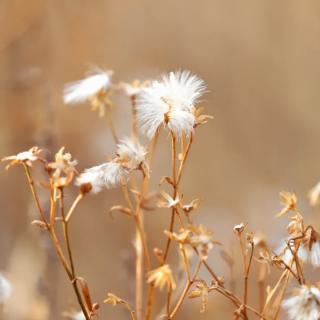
{"points": [[260, 60]]}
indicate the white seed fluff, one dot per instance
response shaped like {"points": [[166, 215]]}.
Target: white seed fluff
{"points": [[315, 254], [5, 289], [304, 305], [169, 102], [287, 255], [131, 153], [78, 316], [107, 175], [82, 90]]}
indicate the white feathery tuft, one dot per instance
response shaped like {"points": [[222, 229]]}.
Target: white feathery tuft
{"points": [[170, 102], [107, 175], [304, 305], [132, 152], [82, 90], [315, 254], [5, 289]]}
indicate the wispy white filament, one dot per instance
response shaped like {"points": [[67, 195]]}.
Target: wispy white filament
{"points": [[78, 316], [170, 102], [315, 254], [5, 289], [107, 175], [131, 153], [129, 156], [304, 305], [287, 256], [82, 90]]}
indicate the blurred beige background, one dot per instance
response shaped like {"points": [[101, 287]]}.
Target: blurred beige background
{"points": [[260, 60]]}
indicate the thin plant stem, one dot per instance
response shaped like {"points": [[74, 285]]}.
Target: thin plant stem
{"points": [[282, 295], [174, 195], [132, 313], [55, 240], [34, 194], [111, 125], [186, 290], [71, 274], [73, 206], [185, 262], [150, 157], [141, 242], [245, 277], [65, 227], [261, 288], [300, 275], [169, 301], [184, 159], [134, 129]]}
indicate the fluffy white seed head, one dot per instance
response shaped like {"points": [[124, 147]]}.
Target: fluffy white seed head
{"points": [[304, 305], [92, 176], [82, 90], [107, 175], [170, 102], [5, 289], [131, 153]]}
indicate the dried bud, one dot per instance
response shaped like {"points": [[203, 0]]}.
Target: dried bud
{"points": [[289, 200], [25, 157], [238, 228], [182, 237], [168, 201], [40, 224], [113, 299], [161, 277]]}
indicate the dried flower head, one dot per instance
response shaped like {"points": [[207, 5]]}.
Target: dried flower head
{"points": [[135, 88], [239, 228], [304, 304], [201, 118], [289, 200], [5, 289], [113, 299], [93, 89], [170, 102], [130, 156], [62, 169], [295, 226], [26, 157], [202, 239], [182, 237], [167, 201], [189, 207], [161, 277]]}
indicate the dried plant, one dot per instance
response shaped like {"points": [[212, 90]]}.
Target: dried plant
{"points": [[169, 104]]}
